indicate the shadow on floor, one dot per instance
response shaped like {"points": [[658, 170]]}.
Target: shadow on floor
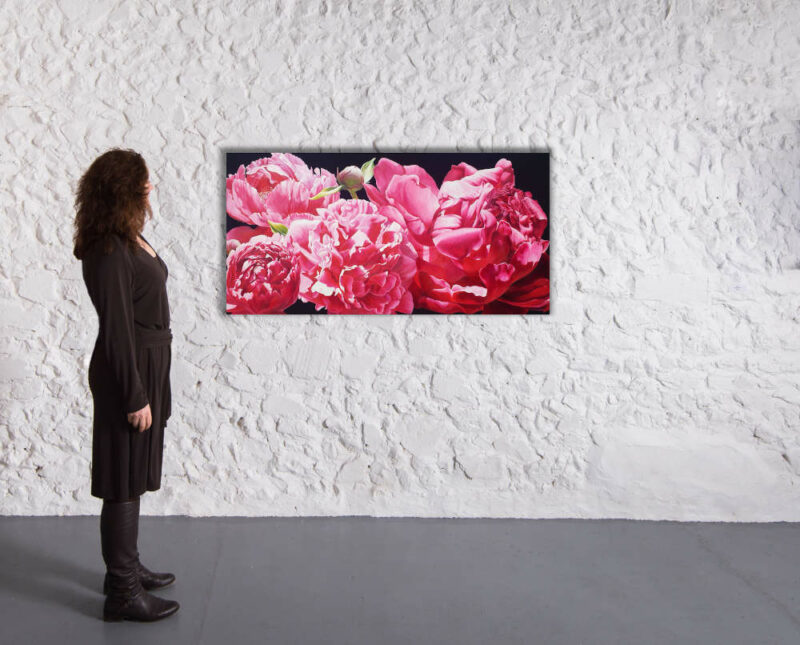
{"points": [[49, 577]]}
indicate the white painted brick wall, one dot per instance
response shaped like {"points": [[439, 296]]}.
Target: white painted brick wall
{"points": [[665, 384]]}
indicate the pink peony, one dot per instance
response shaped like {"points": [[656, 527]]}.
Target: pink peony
{"points": [[355, 258], [277, 188], [263, 276], [476, 236]]}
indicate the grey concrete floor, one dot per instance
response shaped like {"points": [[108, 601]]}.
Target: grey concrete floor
{"points": [[383, 581]]}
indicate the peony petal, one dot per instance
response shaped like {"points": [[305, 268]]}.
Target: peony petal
{"points": [[375, 196], [417, 201], [406, 305], [288, 201], [458, 243], [245, 233], [241, 199], [459, 171], [386, 169], [532, 291]]}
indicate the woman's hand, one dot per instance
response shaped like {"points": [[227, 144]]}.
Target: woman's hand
{"points": [[141, 419]]}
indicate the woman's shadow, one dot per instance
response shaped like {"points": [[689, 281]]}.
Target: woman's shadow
{"points": [[45, 573]]}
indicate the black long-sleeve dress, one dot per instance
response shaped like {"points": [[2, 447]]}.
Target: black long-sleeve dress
{"points": [[129, 367]]}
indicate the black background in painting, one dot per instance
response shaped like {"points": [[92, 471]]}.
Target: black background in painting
{"points": [[531, 173]]}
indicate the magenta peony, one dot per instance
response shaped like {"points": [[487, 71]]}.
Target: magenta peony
{"points": [[277, 188], [355, 258], [263, 276], [476, 236]]}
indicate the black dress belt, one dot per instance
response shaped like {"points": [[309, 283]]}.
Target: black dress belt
{"points": [[152, 337]]}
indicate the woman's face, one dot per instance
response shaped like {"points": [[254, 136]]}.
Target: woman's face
{"points": [[147, 188]]}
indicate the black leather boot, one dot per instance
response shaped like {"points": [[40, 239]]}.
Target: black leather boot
{"points": [[149, 579], [127, 599]]}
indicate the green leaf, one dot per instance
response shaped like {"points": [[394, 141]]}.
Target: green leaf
{"points": [[366, 170], [278, 228], [327, 191]]}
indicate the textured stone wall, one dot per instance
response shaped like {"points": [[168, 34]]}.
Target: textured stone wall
{"points": [[665, 383]]}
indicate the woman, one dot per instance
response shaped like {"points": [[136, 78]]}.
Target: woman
{"points": [[128, 372]]}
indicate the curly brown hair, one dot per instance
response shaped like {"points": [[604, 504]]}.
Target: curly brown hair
{"points": [[111, 199]]}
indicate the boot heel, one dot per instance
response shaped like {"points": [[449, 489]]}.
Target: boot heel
{"points": [[113, 618]]}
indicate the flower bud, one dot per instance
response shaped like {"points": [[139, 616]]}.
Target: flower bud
{"points": [[351, 178]]}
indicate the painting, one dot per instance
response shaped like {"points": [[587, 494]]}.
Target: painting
{"points": [[387, 233]]}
